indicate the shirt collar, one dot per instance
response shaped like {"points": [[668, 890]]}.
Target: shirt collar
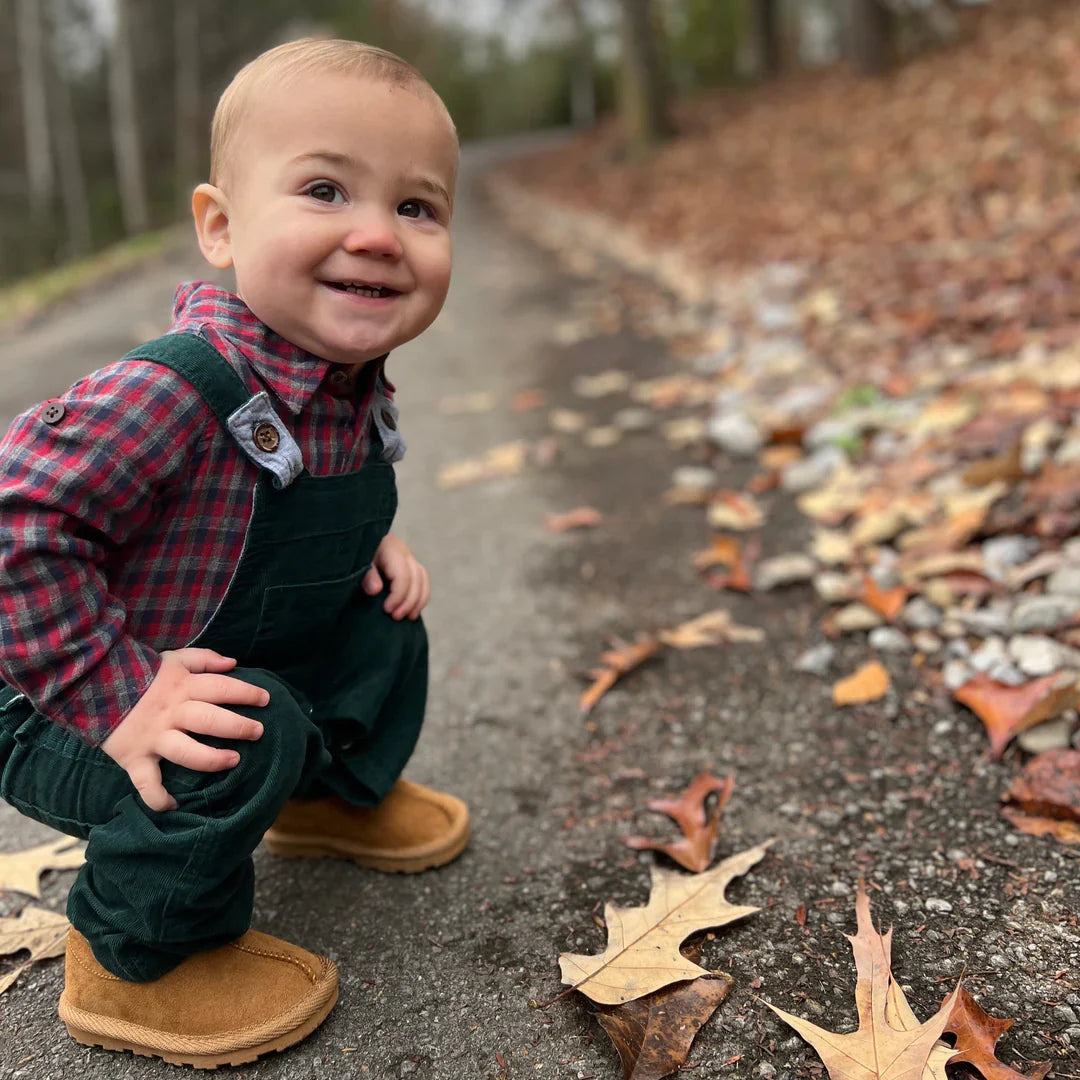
{"points": [[292, 373]]}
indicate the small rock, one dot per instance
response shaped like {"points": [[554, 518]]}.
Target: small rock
{"points": [[1043, 612], [927, 642], [835, 588], [1009, 550], [889, 639], [938, 907], [885, 573], [1000, 962], [840, 888], [782, 280], [958, 649], [990, 653], [695, 478], [951, 628], [829, 818], [766, 1070], [1037, 655], [777, 318], [856, 617], [634, 419], [1004, 672], [956, 673], [816, 661], [1071, 550], [1065, 580], [1066, 1014], [790, 809], [1053, 735], [1073, 1033], [984, 622], [812, 471], [736, 433], [920, 614], [831, 431], [784, 570], [602, 436]]}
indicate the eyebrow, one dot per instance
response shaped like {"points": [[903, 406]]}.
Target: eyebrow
{"points": [[332, 157]]}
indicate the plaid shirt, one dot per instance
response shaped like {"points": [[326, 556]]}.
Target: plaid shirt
{"points": [[121, 523]]}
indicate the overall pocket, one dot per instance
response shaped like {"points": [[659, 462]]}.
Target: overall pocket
{"points": [[298, 621]]}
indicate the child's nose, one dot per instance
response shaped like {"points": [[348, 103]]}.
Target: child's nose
{"points": [[373, 234]]}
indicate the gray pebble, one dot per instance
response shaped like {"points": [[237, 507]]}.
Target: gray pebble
{"points": [[920, 614], [889, 639], [956, 673], [938, 907], [1043, 612], [812, 471], [1009, 550], [817, 660], [695, 477], [856, 617], [634, 419], [1065, 580], [1053, 735], [1066, 1014], [736, 433]]}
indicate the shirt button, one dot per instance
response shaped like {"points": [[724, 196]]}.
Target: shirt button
{"points": [[339, 378], [266, 437], [53, 413], [388, 419]]}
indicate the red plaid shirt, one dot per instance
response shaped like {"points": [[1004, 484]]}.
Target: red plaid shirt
{"points": [[121, 524]]}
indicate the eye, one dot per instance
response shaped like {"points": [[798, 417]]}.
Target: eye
{"points": [[414, 208], [325, 192]]}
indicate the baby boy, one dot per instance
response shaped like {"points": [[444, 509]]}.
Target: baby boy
{"points": [[207, 632]]}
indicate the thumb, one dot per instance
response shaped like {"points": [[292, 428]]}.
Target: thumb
{"points": [[373, 582]]}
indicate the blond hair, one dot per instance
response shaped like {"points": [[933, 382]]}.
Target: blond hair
{"points": [[327, 55]]}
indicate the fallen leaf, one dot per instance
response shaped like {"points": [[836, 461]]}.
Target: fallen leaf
{"points": [[890, 1043], [643, 954], [614, 665], [712, 628], [584, 517], [723, 551], [653, 1035], [458, 404], [602, 385], [870, 683], [886, 602], [734, 510], [41, 933], [499, 462], [527, 400], [21, 870], [695, 850], [976, 1035], [1007, 710], [1044, 800]]}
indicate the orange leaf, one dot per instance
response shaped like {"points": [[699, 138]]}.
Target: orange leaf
{"points": [[869, 683], [695, 850], [527, 400], [976, 1033], [724, 551], [888, 603], [584, 517], [1008, 710], [616, 663]]}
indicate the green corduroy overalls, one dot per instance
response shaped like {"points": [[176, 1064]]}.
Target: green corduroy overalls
{"points": [[347, 691]]}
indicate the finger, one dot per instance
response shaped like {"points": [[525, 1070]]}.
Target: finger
{"points": [[399, 589], [372, 582], [146, 776], [425, 594], [183, 750], [411, 597], [225, 690], [205, 719], [199, 660]]}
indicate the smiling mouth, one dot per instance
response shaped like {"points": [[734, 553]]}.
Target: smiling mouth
{"points": [[373, 291]]}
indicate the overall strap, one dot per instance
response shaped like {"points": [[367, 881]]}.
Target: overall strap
{"points": [[199, 363], [250, 418]]}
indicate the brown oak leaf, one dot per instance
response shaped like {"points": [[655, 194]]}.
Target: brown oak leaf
{"points": [[976, 1035], [1007, 710], [890, 1043], [41, 933], [1045, 798], [695, 850], [615, 663], [20, 871]]}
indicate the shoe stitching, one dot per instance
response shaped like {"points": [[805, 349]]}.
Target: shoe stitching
{"points": [[103, 974], [276, 956]]}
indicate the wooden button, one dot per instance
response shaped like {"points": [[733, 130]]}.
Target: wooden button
{"points": [[339, 378], [266, 437], [388, 419], [53, 413]]}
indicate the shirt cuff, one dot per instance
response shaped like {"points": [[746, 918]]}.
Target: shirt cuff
{"points": [[94, 705]]}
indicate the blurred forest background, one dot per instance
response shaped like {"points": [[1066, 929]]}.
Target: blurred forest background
{"points": [[105, 104]]}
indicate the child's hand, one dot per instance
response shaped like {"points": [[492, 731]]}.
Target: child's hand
{"points": [[409, 587], [186, 695]]}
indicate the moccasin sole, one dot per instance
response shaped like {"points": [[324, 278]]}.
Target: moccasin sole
{"points": [[406, 861], [209, 1051]]}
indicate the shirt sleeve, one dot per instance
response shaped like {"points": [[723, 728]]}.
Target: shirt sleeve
{"points": [[75, 488]]}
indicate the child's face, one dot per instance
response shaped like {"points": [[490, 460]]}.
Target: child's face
{"points": [[338, 181]]}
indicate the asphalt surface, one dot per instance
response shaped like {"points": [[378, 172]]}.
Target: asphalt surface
{"points": [[438, 970]]}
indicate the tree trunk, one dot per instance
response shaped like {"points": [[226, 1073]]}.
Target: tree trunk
{"points": [[872, 45], [188, 129], [69, 158], [644, 82], [40, 177], [765, 32], [125, 127], [583, 73]]}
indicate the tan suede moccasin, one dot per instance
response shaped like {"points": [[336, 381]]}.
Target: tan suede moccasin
{"points": [[412, 829], [224, 1007]]}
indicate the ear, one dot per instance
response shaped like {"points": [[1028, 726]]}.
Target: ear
{"points": [[211, 211]]}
